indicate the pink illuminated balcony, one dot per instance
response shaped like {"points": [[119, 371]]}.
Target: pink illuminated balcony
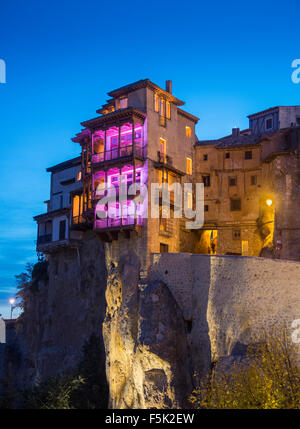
{"points": [[118, 142]]}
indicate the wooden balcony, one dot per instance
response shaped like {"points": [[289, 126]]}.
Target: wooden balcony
{"points": [[118, 154]]}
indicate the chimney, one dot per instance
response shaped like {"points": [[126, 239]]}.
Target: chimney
{"points": [[235, 132], [169, 86]]}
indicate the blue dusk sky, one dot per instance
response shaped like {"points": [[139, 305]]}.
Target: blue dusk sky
{"points": [[226, 59]]}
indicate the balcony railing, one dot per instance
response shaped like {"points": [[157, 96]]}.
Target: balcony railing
{"points": [[77, 220], [124, 152], [162, 120], [116, 222], [164, 159], [100, 193], [166, 227], [43, 239]]}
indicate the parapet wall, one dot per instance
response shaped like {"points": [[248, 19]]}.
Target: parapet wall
{"points": [[227, 299]]}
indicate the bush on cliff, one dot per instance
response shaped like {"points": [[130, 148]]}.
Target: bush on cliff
{"points": [[269, 377], [83, 388]]}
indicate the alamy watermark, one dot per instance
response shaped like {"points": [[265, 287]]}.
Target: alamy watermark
{"points": [[296, 73], [132, 200], [2, 71]]}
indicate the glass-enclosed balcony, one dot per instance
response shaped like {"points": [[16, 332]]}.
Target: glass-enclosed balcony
{"points": [[118, 142], [112, 187]]}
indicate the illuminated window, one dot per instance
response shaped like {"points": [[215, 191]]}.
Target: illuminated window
{"points": [[162, 107], [79, 175], [189, 200], [189, 168], [188, 131], [163, 149], [156, 103], [168, 109]]}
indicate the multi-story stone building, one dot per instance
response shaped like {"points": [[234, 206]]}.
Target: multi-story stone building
{"points": [[251, 187], [142, 136]]}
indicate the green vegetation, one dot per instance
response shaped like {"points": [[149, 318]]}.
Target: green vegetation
{"points": [[83, 388], [269, 377]]}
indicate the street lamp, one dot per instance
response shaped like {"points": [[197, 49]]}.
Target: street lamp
{"points": [[269, 202], [11, 301]]}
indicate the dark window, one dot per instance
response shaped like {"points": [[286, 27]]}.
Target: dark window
{"points": [[298, 122], [269, 124], [236, 234], [253, 180], [248, 154], [164, 248], [227, 155], [61, 201], [206, 208], [205, 157], [62, 230], [232, 181], [235, 205], [206, 180]]}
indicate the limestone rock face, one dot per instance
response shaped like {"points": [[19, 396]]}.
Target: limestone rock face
{"points": [[147, 359], [63, 313]]}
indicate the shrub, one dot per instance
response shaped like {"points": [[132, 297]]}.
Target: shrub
{"points": [[269, 377]]}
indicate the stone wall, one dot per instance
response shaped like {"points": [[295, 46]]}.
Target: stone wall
{"points": [[161, 335]]}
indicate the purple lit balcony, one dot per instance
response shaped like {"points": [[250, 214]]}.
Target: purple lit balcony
{"points": [[118, 142]]}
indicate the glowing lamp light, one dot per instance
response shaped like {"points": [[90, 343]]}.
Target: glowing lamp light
{"points": [[269, 202], [12, 301]]}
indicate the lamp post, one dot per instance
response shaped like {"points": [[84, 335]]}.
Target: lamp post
{"points": [[11, 301]]}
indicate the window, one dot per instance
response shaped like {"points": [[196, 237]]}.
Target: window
{"points": [[62, 230], [123, 102], [164, 248], [168, 105], [189, 168], [253, 180], [163, 150], [156, 103], [189, 200], [236, 234], [205, 157], [206, 180], [162, 107], [206, 208], [248, 154], [235, 205], [232, 181], [269, 123], [61, 201], [188, 131], [79, 175], [227, 155], [298, 122]]}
